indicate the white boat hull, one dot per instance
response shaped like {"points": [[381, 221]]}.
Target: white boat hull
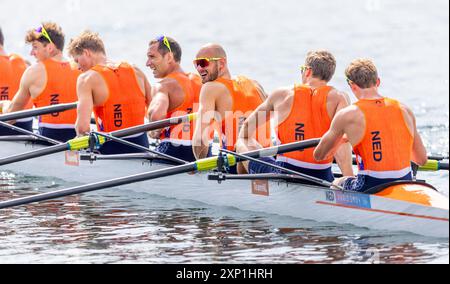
{"points": [[290, 199]]}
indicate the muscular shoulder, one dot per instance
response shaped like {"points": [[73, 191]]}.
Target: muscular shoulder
{"points": [[214, 88], [351, 114], [281, 95], [37, 69], [338, 96], [408, 115], [90, 77], [139, 74]]}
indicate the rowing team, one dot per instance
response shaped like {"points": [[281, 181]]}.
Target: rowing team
{"points": [[381, 131]]}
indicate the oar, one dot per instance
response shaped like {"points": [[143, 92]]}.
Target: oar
{"points": [[37, 111], [83, 142], [26, 132], [201, 165], [289, 171], [142, 148], [437, 158], [434, 165]]}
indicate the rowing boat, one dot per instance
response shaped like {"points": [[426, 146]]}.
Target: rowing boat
{"points": [[412, 207]]}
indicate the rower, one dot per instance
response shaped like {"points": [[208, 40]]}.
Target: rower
{"points": [[224, 100], [382, 131], [51, 81], [301, 112], [174, 95], [117, 93], [12, 67]]}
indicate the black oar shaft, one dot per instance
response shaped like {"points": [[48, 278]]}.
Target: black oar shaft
{"points": [[201, 165], [142, 148], [26, 132], [100, 185], [149, 126], [34, 154], [310, 178], [121, 133], [273, 151], [36, 112]]}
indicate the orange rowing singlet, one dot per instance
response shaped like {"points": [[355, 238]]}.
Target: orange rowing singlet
{"points": [[182, 133], [12, 68], [308, 119], [386, 148], [125, 106], [61, 88], [246, 98]]}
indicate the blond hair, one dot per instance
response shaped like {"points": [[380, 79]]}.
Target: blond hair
{"points": [[54, 32], [363, 73], [87, 40], [322, 64]]}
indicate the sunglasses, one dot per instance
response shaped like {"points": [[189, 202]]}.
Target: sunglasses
{"points": [[205, 62], [350, 82], [42, 32], [303, 68], [165, 41]]}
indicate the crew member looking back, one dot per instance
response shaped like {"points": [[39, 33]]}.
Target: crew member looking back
{"points": [[51, 81], [117, 93]]}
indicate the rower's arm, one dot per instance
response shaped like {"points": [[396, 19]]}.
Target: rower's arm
{"points": [[206, 112], [144, 84], [343, 155], [23, 95], [419, 153], [85, 104], [333, 139], [159, 108], [247, 136]]}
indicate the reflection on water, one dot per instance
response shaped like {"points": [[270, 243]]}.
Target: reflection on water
{"points": [[117, 226]]}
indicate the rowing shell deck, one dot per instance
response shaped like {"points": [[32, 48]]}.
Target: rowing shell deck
{"points": [[411, 207]]}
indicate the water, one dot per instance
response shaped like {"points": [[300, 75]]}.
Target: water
{"points": [[409, 41]]}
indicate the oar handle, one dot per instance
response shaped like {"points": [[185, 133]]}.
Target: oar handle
{"points": [[433, 165]]}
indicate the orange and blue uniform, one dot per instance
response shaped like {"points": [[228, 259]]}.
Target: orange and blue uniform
{"points": [[12, 68], [124, 108], [246, 98], [61, 88], [384, 154], [308, 119], [176, 140]]}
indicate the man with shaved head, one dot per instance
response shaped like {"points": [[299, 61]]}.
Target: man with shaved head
{"points": [[226, 100]]}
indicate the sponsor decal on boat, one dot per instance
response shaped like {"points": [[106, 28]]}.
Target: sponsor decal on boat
{"points": [[348, 198], [260, 187], [72, 158]]}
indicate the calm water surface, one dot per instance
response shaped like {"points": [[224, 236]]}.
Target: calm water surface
{"points": [[409, 41]]}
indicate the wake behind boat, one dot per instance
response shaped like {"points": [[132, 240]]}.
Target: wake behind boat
{"points": [[412, 207]]}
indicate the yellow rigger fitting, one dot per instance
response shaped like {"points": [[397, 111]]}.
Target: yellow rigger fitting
{"points": [[83, 143], [211, 163], [431, 165], [192, 117]]}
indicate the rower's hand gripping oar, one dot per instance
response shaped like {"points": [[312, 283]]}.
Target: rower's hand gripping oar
{"points": [[306, 177], [83, 142], [201, 165]]}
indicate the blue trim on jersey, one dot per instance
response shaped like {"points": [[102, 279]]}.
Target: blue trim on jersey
{"points": [[114, 148], [182, 152], [256, 168], [62, 135], [362, 183]]}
